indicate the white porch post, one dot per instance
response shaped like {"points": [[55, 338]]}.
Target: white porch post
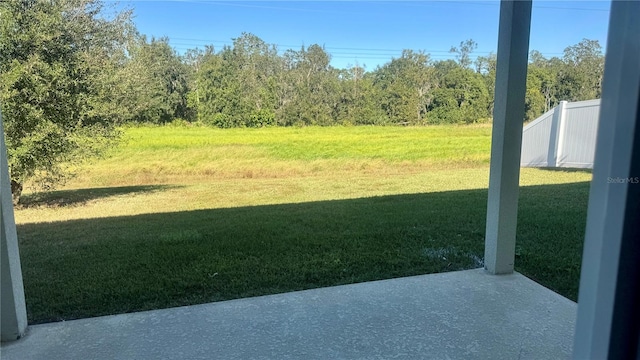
{"points": [[608, 323], [13, 313], [506, 143]]}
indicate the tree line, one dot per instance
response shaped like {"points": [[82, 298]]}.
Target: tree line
{"points": [[249, 84], [72, 71]]}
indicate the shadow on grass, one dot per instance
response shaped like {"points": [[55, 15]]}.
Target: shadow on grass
{"points": [[563, 169], [62, 198], [85, 268]]}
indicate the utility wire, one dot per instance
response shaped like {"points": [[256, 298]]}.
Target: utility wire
{"points": [[410, 3], [188, 43]]}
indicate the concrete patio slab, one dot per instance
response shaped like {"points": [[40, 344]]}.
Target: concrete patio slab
{"points": [[458, 315]]}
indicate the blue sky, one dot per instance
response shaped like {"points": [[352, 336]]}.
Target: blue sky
{"points": [[366, 32]]}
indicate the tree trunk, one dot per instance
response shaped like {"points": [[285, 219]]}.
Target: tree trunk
{"points": [[16, 191]]}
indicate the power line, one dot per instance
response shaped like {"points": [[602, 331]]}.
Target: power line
{"points": [[370, 56], [191, 43], [241, 4], [411, 3], [327, 47], [496, 4]]}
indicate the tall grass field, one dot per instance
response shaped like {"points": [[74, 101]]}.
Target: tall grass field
{"points": [[186, 215]]}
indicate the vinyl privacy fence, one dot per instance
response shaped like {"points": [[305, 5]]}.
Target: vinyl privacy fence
{"points": [[564, 136]]}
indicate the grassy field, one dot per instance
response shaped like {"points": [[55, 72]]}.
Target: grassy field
{"points": [[179, 216]]}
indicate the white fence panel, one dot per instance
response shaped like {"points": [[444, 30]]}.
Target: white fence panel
{"points": [[581, 127], [562, 137], [535, 141]]}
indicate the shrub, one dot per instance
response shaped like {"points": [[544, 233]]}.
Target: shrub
{"points": [[261, 118], [220, 120]]}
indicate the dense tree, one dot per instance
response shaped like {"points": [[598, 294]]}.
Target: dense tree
{"points": [[214, 86], [256, 65], [239, 85], [575, 77], [486, 67], [462, 96], [314, 86], [153, 82], [397, 99], [358, 103], [463, 52], [546, 72], [534, 99], [55, 61], [193, 60], [406, 85], [583, 70]]}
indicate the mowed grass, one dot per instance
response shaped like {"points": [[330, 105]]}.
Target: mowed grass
{"points": [[179, 216]]}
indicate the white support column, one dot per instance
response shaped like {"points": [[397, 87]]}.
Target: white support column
{"points": [[608, 323], [13, 312], [506, 142]]}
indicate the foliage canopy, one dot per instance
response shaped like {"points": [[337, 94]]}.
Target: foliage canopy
{"points": [[56, 60]]}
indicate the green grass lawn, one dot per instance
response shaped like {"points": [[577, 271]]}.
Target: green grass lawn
{"points": [[179, 216]]}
